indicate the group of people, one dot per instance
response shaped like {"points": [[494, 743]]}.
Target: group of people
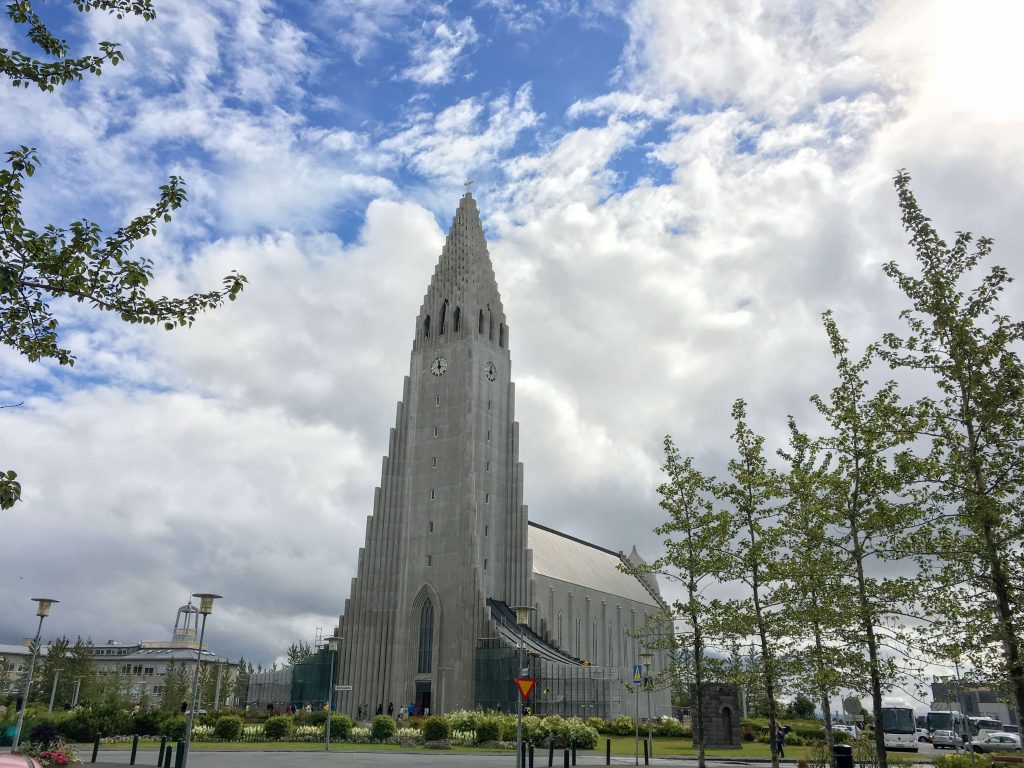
{"points": [[363, 711], [291, 708]]}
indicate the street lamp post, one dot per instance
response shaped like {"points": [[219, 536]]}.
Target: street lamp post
{"points": [[205, 608], [645, 658], [42, 611], [333, 646], [522, 619], [53, 691]]}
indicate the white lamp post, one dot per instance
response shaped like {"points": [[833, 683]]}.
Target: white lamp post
{"points": [[42, 611], [522, 619], [333, 646], [205, 608]]}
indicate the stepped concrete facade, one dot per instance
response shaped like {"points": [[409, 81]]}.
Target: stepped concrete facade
{"points": [[450, 550]]}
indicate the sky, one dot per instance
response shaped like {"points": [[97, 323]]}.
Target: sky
{"points": [[672, 192]]}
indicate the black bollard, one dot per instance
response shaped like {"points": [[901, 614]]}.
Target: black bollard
{"points": [[608, 752], [647, 757], [522, 755], [160, 754], [565, 759], [551, 754], [95, 748], [531, 754], [179, 759], [574, 755], [168, 756], [135, 748]]}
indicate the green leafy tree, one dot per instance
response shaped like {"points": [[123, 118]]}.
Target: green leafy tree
{"points": [[869, 489], [963, 342], [5, 678], [299, 653], [176, 687], [240, 685], [801, 706], [695, 537], [81, 670], [751, 494], [76, 262], [51, 672]]}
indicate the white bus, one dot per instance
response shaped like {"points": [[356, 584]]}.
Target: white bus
{"points": [[899, 728], [947, 720], [983, 726]]}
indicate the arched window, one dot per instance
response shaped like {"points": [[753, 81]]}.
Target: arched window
{"points": [[455, 320], [727, 723], [444, 311], [426, 327], [426, 654], [481, 321], [490, 326], [502, 336]]}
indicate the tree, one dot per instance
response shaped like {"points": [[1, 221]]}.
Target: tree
{"points": [[751, 495], [868, 488], [801, 706], [81, 669], [176, 687], [961, 340], [299, 653], [77, 262], [695, 539], [54, 665], [240, 686]]}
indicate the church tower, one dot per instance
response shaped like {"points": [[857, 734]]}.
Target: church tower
{"points": [[449, 529]]}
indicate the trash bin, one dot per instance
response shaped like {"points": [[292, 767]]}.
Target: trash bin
{"points": [[842, 755]]}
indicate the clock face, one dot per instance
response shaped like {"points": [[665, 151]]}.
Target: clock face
{"points": [[490, 372], [439, 366]]}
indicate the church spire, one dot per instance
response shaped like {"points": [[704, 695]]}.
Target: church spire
{"points": [[463, 292]]}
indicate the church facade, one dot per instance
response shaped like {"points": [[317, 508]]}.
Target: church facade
{"points": [[450, 550]]}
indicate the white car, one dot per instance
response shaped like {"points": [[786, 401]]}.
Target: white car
{"points": [[850, 730], [921, 734], [946, 740], [998, 742]]}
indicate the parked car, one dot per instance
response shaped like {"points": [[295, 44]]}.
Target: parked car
{"points": [[18, 761], [922, 734], [946, 740], [998, 742], [850, 730]]}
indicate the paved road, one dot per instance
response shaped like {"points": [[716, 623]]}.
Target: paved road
{"points": [[197, 759]]}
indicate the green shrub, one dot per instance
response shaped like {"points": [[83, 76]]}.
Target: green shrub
{"points": [[228, 728], [44, 734], [488, 729], [578, 734], [962, 761], [382, 728], [174, 727], [599, 724], [621, 726], [533, 729], [671, 728], [435, 729], [277, 727], [507, 727], [147, 723], [463, 720], [341, 726]]}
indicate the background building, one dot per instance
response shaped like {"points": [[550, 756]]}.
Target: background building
{"points": [[972, 700]]}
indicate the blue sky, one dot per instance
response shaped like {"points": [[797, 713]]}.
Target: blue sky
{"points": [[678, 187]]}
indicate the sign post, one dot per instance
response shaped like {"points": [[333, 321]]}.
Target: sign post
{"points": [[525, 686], [638, 676]]}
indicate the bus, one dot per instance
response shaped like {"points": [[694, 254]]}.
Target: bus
{"points": [[983, 726], [899, 728], [947, 720]]}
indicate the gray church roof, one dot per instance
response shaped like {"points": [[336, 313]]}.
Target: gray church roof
{"points": [[565, 558]]}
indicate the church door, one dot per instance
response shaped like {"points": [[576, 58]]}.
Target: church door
{"points": [[423, 698]]}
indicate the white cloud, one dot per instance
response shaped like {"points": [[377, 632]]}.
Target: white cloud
{"points": [[437, 50]]}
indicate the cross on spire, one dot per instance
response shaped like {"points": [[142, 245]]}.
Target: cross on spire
{"points": [[468, 184]]}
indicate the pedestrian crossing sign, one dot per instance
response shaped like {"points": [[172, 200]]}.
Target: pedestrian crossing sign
{"points": [[638, 673]]}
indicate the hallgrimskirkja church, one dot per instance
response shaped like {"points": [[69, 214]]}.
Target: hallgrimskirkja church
{"points": [[450, 551]]}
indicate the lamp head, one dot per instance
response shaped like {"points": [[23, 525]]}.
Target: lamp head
{"points": [[43, 609], [334, 643], [646, 658], [206, 601], [522, 614]]}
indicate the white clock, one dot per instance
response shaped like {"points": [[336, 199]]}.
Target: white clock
{"points": [[439, 366], [490, 372]]}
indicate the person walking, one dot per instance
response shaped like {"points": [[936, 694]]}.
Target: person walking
{"points": [[780, 740]]}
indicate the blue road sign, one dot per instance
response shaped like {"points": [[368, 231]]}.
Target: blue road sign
{"points": [[638, 673]]}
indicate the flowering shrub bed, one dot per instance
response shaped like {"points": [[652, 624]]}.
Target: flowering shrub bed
{"points": [[51, 755]]}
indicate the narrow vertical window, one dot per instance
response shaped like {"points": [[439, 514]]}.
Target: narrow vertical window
{"points": [[490, 326], [486, 529], [578, 636], [431, 494], [437, 399], [444, 312], [430, 527], [426, 654], [488, 435], [487, 498], [559, 629], [455, 320], [485, 563], [502, 336], [430, 560], [434, 460], [488, 405], [435, 431], [487, 467], [481, 321], [426, 327]]}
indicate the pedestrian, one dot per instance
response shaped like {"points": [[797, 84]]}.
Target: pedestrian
{"points": [[380, 709], [359, 713], [391, 709], [780, 740]]}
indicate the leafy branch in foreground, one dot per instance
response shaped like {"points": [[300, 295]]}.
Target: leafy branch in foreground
{"points": [[77, 262]]}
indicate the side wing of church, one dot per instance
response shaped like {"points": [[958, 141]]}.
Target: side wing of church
{"points": [[449, 549]]}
